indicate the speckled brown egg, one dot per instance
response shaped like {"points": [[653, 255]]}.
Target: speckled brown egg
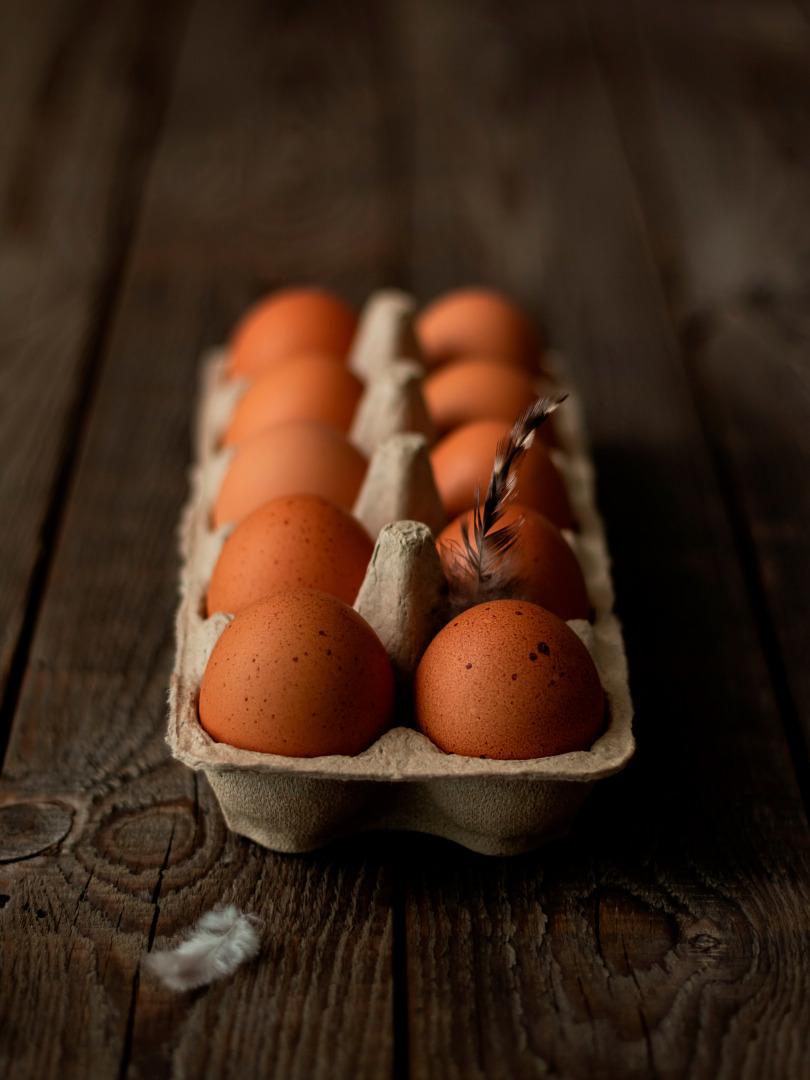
{"points": [[294, 320], [479, 389], [481, 320], [310, 387], [297, 541], [301, 457], [298, 673], [465, 457], [508, 680], [541, 560]]}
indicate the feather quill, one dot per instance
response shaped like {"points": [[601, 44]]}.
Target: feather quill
{"points": [[219, 943], [484, 565]]}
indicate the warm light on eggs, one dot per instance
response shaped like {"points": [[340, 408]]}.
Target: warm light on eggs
{"points": [[298, 672]]}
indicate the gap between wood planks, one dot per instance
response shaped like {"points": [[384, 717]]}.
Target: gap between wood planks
{"points": [[638, 127], [142, 130]]}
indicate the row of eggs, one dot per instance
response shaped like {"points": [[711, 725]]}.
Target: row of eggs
{"points": [[298, 671]]}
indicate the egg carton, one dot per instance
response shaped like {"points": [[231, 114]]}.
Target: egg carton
{"points": [[402, 781]]}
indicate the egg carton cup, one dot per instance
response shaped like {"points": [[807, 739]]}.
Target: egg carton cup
{"points": [[401, 781]]}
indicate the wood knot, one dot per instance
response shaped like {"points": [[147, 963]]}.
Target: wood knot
{"points": [[704, 942], [29, 828], [705, 937], [139, 838]]}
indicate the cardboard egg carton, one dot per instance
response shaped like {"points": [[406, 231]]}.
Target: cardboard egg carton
{"points": [[402, 781]]}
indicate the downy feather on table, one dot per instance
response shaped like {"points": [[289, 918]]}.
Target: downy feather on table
{"points": [[218, 944]]}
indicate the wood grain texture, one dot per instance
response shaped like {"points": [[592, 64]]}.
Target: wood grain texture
{"points": [[26, 829], [666, 937], [138, 868], [751, 370], [422, 144], [81, 91], [731, 102], [232, 207]]}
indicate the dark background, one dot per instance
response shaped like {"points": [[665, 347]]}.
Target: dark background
{"points": [[635, 174]]}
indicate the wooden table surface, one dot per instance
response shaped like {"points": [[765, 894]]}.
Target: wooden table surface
{"points": [[638, 176]]}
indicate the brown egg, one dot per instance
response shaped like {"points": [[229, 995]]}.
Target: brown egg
{"points": [[466, 456], [478, 389], [309, 387], [298, 673], [301, 457], [287, 322], [297, 541], [549, 572], [508, 680], [477, 320], [490, 358]]}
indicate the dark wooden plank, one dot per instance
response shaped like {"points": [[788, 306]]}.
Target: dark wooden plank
{"points": [[752, 375], [668, 934], [234, 205], [81, 92], [730, 101]]}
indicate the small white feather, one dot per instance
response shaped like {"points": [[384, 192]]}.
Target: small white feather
{"points": [[219, 943]]}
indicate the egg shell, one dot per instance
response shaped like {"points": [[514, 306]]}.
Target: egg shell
{"points": [[548, 569], [508, 680], [298, 673], [464, 459], [297, 541], [479, 389], [496, 359], [290, 321], [481, 320], [308, 387], [301, 457]]}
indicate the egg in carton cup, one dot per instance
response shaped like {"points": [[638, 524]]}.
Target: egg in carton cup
{"points": [[403, 780]]}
